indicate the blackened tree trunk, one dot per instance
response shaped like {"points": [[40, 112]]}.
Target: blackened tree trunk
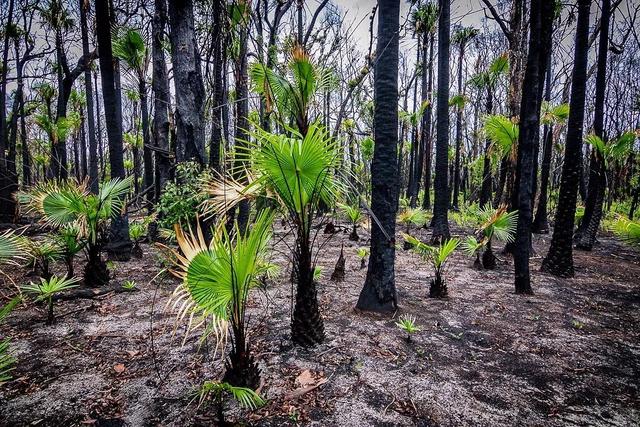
{"points": [[456, 172], [559, 259], [119, 246], [441, 202], [242, 115], [161, 100], [412, 187], [427, 134], [539, 44], [189, 86], [598, 180], [147, 153], [7, 202], [217, 96], [541, 221], [379, 291], [485, 192]]}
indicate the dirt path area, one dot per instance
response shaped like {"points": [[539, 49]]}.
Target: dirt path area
{"points": [[568, 355]]}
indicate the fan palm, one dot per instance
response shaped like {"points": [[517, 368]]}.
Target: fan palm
{"points": [[69, 202], [216, 281], [42, 253], [6, 359], [70, 242], [245, 397], [503, 134], [298, 172], [10, 247], [291, 95], [354, 215], [438, 256], [496, 223], [47, 288]]}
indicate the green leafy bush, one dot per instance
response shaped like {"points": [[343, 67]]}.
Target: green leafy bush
{"points": [[181, 197]]}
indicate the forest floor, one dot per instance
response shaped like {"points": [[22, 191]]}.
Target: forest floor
{"points": [[567, 355]]}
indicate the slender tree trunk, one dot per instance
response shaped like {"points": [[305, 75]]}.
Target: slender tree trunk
{"points": [[485, 192], [379, 291], [427, 131], [559, 259], [242, 117], [597, 163], [83, 146], [541, 222], [412, 188], [218, 70], [119, 245], [7, 202], [189, 86], [161, 100], [539, 44], [441, 203], [455, 205], [147, 153], [91, 124]]}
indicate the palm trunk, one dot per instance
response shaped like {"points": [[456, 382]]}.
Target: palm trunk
{"points": [[456, 173], [7, 202], [441, 203], [485, 192], [147, 154], [541, 223], [91, 126], [559, 259], [307, 326], [598, 179], [379, 291], [242, 118], [120, 245], [539, 45], [426, 131]]}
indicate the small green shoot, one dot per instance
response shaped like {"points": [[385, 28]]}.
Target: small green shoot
{"points": [[408, 324]]}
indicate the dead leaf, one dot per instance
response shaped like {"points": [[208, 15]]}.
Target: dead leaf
{"points": [[305, 379], [304, 390], [133, 353], [119, 368], [306, 382]]}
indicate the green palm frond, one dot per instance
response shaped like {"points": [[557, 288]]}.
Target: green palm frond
{"points": [[458, 101], [627, 230], [297, 172], [11, 247], [597, 143], [463, 35], [217, 278], [352, 213], [6, 359], [437, 255], [413, 216], [500, 65], [48, 288], [245, 397], [502, 132], [425, 18], [554, 114], [471, 245], [129, 47], [620, 147], [69, 239]]}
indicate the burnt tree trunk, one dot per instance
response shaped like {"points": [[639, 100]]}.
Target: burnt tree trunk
{"points": [[559, 259], [379, 291]]}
